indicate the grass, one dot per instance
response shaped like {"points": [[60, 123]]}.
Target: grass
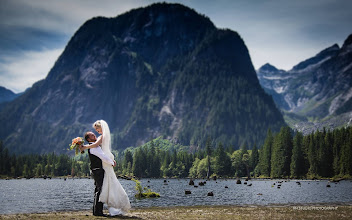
{"points": [[325, 212]]}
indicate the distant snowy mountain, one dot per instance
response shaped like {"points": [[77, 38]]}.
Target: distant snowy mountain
{"points": [[315, 93]]}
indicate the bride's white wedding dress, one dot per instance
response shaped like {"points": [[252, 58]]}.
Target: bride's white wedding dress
{"points": [[112, 194]]}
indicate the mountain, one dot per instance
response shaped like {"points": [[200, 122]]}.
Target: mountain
{"points": [[315, 93], [274, 81], [7, 95], [163, 70]]}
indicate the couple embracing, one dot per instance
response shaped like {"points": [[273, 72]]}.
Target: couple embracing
{"points": [[108, 189]]}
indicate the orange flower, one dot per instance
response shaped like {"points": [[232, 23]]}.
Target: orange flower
{"points": [[77, 140], [75, 144]]}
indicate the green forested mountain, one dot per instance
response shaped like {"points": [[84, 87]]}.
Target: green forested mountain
{"points": [[163, 70]]}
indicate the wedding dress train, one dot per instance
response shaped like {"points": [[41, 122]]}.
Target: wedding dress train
{"points": [[112, 193]]}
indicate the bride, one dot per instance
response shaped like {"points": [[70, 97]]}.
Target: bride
{"points": [[112, 192]]}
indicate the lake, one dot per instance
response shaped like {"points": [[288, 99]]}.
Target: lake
{"points": [[39, 195]]}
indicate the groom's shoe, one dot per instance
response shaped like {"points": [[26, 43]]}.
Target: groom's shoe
{"points": [[101, 214]]}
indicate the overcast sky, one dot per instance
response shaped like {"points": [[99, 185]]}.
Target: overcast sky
{"points": [[33, 33]]}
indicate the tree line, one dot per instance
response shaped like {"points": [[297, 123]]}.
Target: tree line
{"points": [[286, 154], [319, 154], [35, 165]]}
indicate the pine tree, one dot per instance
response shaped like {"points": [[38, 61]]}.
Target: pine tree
{"points": [[338, 140], [297, 161], [312, 156], [6, 162], [346, 153], [265, 155], [173, 163], [326, 155], [277, 160], [138, 161], [2, 161], [39, 170], [288, 146], [281, 154], [209, 152], [26, 171], [222, 164], [349, 150], [155, 172], [244, 149], [166, 163], [305, 149], [320, 147], [127, 162], [254, 157]]}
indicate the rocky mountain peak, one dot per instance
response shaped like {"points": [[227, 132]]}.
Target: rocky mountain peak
{"points": [[318, 59], [268, 68], [347, 46], [157, 32], [348, 41], [166, 15]]}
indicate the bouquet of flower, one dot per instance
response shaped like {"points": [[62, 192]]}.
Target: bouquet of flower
{"points": [[75, 144]]}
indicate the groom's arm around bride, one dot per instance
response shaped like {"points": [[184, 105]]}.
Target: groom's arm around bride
{"points": [[95, 149]]}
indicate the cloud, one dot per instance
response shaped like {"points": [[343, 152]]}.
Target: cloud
{"points": [[29, 25], [22, 71], [280, 32], [26, 27], [63, 16]]}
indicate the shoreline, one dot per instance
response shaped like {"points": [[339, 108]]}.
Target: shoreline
{"points": [[275, 211]]}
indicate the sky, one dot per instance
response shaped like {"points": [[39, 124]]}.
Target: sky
{"points": [[33, 33]]}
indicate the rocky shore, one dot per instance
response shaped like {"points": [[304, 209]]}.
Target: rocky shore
{"points": [[327, 211]]}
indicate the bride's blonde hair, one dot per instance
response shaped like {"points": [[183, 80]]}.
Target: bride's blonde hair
{"points": [[97, 124]]}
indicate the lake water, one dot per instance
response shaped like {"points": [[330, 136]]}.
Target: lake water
{"points": [[39, 195]]}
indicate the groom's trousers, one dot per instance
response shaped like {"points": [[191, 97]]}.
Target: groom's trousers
{"points": [[98, 175]]}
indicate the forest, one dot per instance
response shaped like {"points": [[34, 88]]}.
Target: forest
{"points": [[286, 154]]}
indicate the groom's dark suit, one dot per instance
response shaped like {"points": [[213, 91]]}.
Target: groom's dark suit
{"points": [[98, 175]]}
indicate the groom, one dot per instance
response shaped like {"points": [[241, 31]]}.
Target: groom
{"points": [[96, 157]]}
